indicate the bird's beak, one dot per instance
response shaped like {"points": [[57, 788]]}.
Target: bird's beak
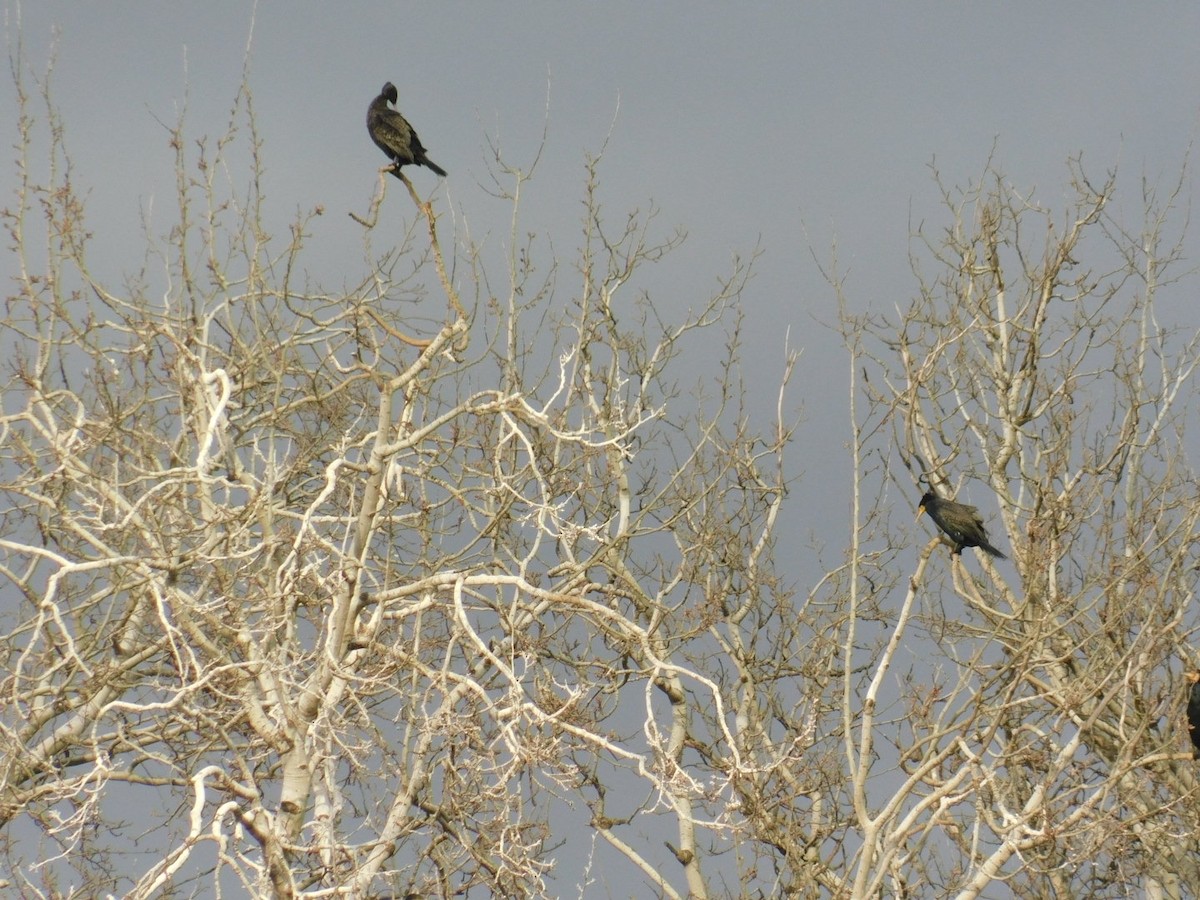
{"points": [[920, 509]]}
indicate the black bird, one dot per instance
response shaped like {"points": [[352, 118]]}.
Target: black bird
{"points": [[394, 136], [1193, 708], [962, 523]]}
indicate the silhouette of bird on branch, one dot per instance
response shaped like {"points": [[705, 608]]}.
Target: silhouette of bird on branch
{"points": [[394, 136], [961, 523]]}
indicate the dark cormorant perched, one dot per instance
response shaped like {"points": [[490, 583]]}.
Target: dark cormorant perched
{"points": [[1193, 708], [394, 136], [962, 523]]}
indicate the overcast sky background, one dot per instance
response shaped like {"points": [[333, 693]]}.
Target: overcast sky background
{"points": [[787, 127]]}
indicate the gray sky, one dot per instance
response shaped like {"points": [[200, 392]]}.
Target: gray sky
{"points": [[789, 127], [791, 124]]}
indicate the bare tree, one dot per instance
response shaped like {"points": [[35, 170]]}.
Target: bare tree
{"points": [[1032, 373], [304, 599], [340, 608]]}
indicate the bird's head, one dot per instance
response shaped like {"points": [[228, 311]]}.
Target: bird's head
{"points": [[927, 502], [389, 93]]}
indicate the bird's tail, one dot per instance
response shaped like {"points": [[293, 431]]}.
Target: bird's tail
{"points": [[430, 164], [988, 548]]}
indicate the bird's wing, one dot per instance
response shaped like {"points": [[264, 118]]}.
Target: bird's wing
{"points": [[973, 512], [394, 130]]}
